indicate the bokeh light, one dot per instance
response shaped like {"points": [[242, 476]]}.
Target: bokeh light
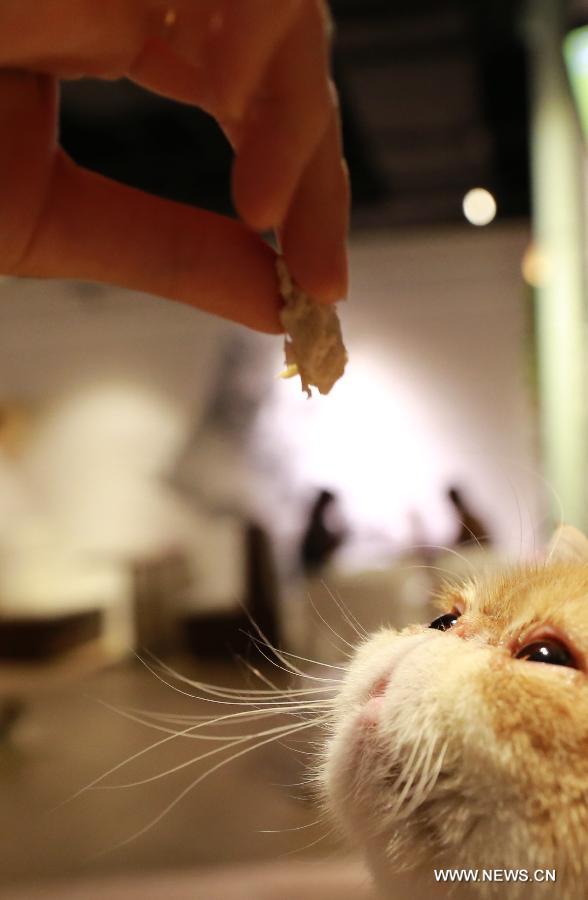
{"points": [[479, 206]]}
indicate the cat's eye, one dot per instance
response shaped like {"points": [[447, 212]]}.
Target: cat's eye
{"points": [[548, 650], [446, 621]]}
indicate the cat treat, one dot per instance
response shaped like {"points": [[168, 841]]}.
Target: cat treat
{"points": [[313, 346]]}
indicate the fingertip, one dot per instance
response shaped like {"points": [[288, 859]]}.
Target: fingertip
{"points": [[314, 234], [321, 272], [329, 285], [258, 209]]}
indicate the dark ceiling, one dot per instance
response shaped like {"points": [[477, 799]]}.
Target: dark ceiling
{"points": [[434, 102]]}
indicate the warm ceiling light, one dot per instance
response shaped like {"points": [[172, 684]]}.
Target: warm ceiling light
{"points": [[479, 206], [535, 266]]}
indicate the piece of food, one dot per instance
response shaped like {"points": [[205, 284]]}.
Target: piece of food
{"points": [[313, 346]]}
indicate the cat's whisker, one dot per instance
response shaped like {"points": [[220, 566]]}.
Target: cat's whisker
{"points": [[298, 750], [296, 784], [177, 718], [164, 812], [188, 733], [229, 744], [519, 516], [550, 490], [418, 761], [177, 768], [419, 790], [471, 533], [171, 718], [237, 692], [437, 768], [213, 689], [257, 674], [306, 825], [148, 716], [547, 484], [451, 550], [179, 690], [252, 715], [313, 662], [245, 715], [554, 548], [261, 707], [331, 629], [264, 697], [210, 688], [306, 847], [351, 620], [452, 576], [279, 654], [407, 776], [290, 669]]}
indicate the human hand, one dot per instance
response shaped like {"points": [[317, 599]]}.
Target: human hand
{"points": [[260, 67]]}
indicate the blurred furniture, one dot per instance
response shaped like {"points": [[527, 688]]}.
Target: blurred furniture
{"points": [[157, 582], [19, 678], [25, 677], [62, 616], [56, 598], [45, 637], [210, 633]]}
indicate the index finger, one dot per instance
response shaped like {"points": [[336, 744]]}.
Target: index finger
{"points": [[69, 38], [314, 233]]}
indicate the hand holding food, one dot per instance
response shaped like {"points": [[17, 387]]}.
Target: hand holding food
{"points": [[261, 68]]}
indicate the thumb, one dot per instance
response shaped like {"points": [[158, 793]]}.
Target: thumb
{"points": [[92, 228]]}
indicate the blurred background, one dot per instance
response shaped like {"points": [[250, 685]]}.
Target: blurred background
{"points": [[160, 487]]}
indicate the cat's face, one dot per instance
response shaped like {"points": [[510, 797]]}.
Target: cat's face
{"points": [[460, 747]]}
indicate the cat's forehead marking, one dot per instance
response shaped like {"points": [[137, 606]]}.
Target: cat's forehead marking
{"points": [[469, 591], [459, 595], [523, 596], [500, 606]]}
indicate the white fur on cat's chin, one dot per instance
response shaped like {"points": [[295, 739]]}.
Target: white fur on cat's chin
{"points": [[413, 730], [568, 544]]}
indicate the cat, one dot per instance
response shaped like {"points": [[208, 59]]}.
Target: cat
{"points": [[464, 743], [456, 745]]}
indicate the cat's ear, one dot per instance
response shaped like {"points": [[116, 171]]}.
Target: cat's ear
{"points": [[568, 545]]}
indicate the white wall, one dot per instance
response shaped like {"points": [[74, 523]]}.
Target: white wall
{"points": [[434, 394], [116, 382]]}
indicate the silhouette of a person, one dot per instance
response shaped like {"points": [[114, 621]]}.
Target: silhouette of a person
{"points": [[320, 539], [471, 529]]}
